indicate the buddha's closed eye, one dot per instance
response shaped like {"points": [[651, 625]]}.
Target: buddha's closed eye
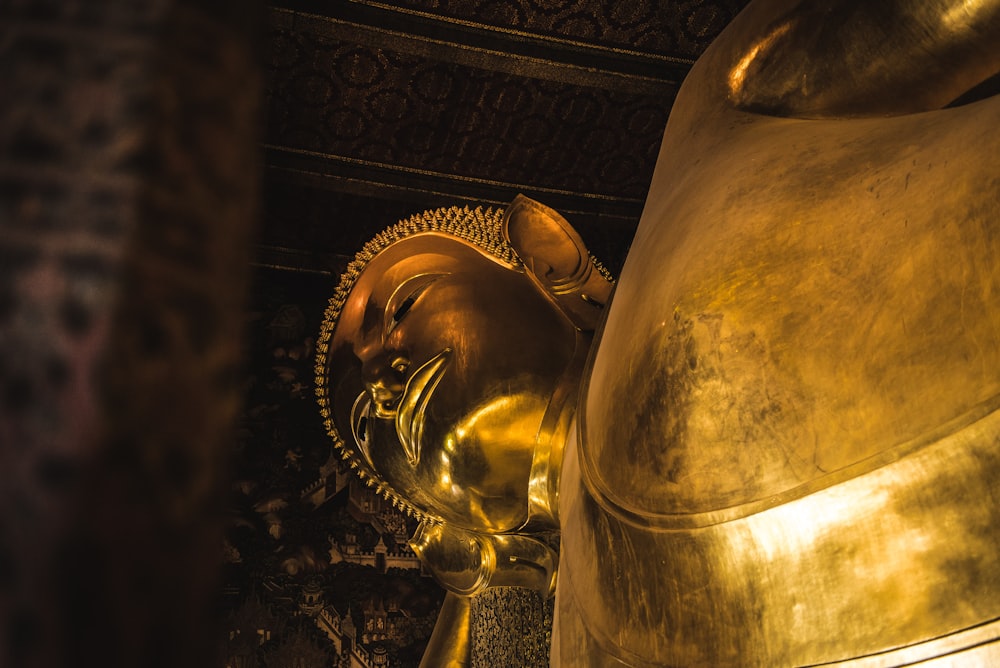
{"points": [[404, 297], [403, 308]]}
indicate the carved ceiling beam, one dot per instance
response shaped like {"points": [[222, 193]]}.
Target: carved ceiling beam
{"points": [[385, 181], [486, 47]]}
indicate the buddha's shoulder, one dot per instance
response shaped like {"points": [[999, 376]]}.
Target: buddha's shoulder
{"points": [[765, 335]]}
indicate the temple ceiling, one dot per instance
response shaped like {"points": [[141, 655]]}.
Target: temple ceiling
{"points": [[376, 110]]}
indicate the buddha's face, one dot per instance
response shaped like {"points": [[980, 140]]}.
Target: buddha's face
{"points": [[459, 357]]}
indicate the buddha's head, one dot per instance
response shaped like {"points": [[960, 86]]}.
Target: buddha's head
{"points": [[451, 349]]}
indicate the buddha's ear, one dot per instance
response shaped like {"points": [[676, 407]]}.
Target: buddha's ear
{"points": [[556, 259]]}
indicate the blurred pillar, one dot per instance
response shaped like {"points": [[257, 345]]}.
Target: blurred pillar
{"points": [[128, 190]]}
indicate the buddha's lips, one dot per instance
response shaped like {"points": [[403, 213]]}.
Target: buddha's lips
{"points": [[413, 404]]}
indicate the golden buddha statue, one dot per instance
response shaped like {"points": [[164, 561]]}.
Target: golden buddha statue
{"points": [[459, 421], [784, 450]]}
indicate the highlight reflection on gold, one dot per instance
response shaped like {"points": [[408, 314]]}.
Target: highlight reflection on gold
{"points": [[738, 74]]}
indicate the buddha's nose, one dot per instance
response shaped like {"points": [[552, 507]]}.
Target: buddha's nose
{"points": [[384, 383]]}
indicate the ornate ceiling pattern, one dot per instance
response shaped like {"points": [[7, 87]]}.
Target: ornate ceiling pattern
{"points": [[384, 107], [680, 29], [379, 109]]}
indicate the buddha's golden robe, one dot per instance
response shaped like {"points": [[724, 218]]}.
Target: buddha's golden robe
{"points": [[788, 451]]}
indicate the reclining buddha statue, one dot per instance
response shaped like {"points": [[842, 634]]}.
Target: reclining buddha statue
{"points": [[778, 442]]}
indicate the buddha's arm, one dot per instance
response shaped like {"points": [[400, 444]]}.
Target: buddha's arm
{"points": [[857, 57], [450, 644]]}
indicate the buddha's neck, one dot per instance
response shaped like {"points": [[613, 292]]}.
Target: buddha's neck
{"points": [[553, 434]]}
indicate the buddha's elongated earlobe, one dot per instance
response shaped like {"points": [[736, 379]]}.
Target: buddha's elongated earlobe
{"points": [[557, 261]]}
